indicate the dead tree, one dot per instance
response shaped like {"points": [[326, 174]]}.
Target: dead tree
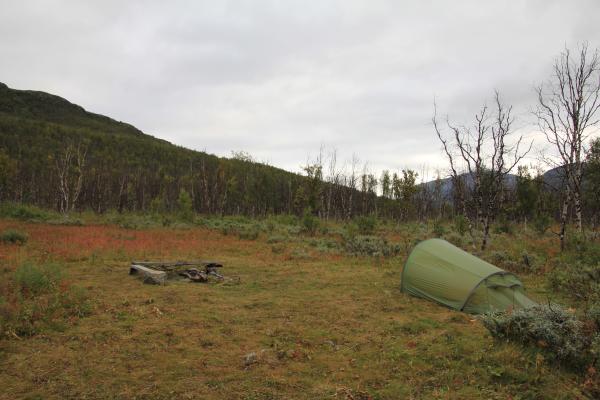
{"points": [[70, 166], [485, 152], [567, 108]]}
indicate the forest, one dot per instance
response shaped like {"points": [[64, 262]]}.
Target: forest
{"points": [[56, 155]]}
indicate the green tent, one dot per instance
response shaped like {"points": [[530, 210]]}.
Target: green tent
{"points": [[438, 271]]}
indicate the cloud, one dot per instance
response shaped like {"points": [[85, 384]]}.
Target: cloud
{"points": [[281, 78]]}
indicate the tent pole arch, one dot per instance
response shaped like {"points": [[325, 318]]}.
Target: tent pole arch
{"points": [[500, 273]]}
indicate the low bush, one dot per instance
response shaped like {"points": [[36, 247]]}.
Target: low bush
{"points": [[438, 228], [310, 223], [300, 254], [576, 272], [35, 298], [370, 246], [278, 248], [461, 225], [525, 262], [277, 239], [577, 279], [456, 239], [556, 332], [23, 212], [503, 226], [14, 237], [249, 233], [366, 224], [542, 223], [33, 280]]}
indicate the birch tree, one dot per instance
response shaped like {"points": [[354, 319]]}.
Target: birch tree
{"points": [[567, 111]]}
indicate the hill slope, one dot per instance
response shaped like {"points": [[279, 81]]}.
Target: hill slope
{"points": [[55, 154], [121, 166], [41, 106]]}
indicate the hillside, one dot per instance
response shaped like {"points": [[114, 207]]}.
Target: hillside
{"points": [[122, 167], [41, 106]]}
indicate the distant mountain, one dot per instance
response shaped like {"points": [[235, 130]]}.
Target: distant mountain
{"points": [[446, 185], [554, 179]]}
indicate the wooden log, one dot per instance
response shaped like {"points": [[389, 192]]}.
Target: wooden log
{"points": [[149, 275], [176, 263]]}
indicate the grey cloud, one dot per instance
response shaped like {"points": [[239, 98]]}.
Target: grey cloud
{"points": [[281, 78]]}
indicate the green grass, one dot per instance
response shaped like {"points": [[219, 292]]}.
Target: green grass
{"points": [[322, 325]]}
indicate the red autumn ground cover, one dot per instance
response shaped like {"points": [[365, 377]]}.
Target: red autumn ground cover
{"points": [[76, 243]]}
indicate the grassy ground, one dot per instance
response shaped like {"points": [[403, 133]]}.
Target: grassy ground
{"points": [[304, 321]]}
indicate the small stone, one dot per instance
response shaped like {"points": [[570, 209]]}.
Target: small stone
{"points": [[250, 358]]}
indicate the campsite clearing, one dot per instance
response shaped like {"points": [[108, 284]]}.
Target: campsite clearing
{"points": [[301, 323]]}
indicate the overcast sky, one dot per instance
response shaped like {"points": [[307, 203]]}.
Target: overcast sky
{"points": [[280, 79]]}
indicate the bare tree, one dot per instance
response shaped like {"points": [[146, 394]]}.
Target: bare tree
{"points": [[70, 166], [567, 107], [488, 157]]}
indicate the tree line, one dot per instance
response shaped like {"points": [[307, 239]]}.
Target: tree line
{"points": [[54, 154]]}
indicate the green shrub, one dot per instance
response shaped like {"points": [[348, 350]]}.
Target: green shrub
{"points": [[438, 228], [503, 260], [461, 225], [23, 212], [557, 332], [35, 298], [577, 279], [277, 239], [15, 237], [278, 248], [366, 224], [542, 223], [34, 280], [350, 230], [370, 246], [300, 254], [593, 314], [456, 239], [504, 226], [250, 233], [310, 223], [185, 209]]}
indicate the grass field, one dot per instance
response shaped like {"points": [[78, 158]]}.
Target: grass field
{"points": [[304, 321]]}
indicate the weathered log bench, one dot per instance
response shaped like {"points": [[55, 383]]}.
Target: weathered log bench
{"points": [[150, 275]]}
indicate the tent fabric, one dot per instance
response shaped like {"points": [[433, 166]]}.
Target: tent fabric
{"points": [[441, 272]]}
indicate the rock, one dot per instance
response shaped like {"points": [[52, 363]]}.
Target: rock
{"points": [[250, 358], [150, 276]]}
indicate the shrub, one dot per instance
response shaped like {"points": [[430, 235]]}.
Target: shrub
{"points": [[504, 226], [184, 206], [558, 333], [370, 246], [278, 248], [503, 260], [456, 239], [23, 212], [250, 233], [33, 280], [578, 279], [35, 298], [15, 237], [542, 223], [300, 254], [461, 225], [276, 239], [310, 223], [366, 224], [593, 314], [438, 228]]}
